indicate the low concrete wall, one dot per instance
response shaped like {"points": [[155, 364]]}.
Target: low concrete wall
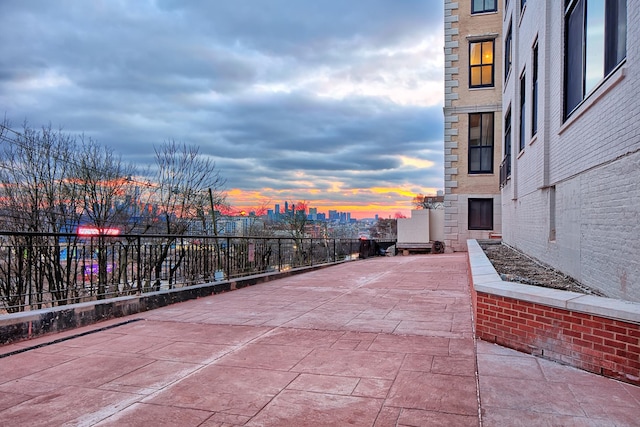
{"points": [[599, 335], [30, 324]]}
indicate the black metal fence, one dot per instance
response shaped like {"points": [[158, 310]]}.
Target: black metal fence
{"points": [[39, 270]]}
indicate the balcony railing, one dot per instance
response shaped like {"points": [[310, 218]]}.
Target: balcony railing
{"points": [[39, 270]]}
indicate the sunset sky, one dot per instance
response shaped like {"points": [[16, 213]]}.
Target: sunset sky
{"points": [[337, 103]]}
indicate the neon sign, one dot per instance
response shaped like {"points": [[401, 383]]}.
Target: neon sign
{"points": [[95, 231]]}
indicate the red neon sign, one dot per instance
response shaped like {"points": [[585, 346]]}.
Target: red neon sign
{"points": [[95, 231]]}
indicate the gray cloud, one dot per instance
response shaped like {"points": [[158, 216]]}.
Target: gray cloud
{"points": [[281, 94]]}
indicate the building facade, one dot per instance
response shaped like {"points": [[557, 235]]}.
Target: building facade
{"points": [[472, 117], [570, 174]]}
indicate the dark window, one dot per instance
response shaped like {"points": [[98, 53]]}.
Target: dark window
{"points": [[534, 92], [479, 6], [505, 166], [507, 52], [481, 63], [522, 3], [595, 43], [507, 134], [480, 214], [523, 115], [481, 143]]}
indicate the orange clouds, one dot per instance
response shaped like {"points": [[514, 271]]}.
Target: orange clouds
{"points": [[361, 203]]}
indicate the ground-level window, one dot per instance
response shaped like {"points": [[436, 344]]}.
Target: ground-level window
{"points": [[480, 214], [480, 143]]}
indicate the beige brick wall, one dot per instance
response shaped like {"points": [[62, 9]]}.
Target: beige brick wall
{"points": [[459, 103]]}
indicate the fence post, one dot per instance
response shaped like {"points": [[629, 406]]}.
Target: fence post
{"points": [[139, 265], [228, 258]]}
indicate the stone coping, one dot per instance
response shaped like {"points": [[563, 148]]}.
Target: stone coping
{"points": [[487, 280], [33, 323]]}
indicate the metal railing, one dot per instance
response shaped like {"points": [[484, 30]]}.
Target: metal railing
{"points": [[505, 170], [40, 270]]}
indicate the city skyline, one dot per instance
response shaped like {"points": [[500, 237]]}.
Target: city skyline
{"points": [[336, 104]]}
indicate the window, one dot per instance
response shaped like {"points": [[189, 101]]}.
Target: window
{"points": [[481, 63], [481, 143], [534, 91], [505, 166], [522, 3], [480, 214], [523, 116], [480, 6], [552, 213], [595, 43], [507, 52]]}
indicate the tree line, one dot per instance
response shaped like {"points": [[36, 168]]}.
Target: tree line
{"points": [[52, 181]]}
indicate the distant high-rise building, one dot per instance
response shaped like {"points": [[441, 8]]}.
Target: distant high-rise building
{"points": [[277, 209], [286, 207], [313, 214]]}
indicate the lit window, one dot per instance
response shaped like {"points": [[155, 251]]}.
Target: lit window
{"points": [[481, 63], [480, 6], [480, 214], [595, 43], [481, 143]]}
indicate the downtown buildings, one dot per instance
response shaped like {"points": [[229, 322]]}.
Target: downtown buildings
{"points": [[569, 176]]}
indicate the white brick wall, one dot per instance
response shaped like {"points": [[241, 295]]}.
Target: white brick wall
{"points": [[592, 159]]}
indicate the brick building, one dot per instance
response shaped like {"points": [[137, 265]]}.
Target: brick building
{"points": [[473, 120], [571, 171]]}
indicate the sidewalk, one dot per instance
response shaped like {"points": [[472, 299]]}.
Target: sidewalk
{"points": [[379, 342]]}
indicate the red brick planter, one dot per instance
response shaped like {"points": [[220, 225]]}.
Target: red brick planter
{"points": [[599, 335], [593, 343]]}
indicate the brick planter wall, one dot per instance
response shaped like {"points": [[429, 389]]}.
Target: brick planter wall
{"points": [[593, 343], [599, 335]]}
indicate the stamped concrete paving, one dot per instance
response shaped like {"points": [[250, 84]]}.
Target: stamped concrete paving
{"points": [[379, 342]]}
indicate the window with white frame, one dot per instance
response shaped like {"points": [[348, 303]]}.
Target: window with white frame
{"points": [[534, 90], [523, 115], [595, 43], [508, 42]]}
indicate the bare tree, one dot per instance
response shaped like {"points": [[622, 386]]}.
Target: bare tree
{"points": [[103, 179], [34, 167], [420, 201], [187, 186], [296, 223], [384, 229]]}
